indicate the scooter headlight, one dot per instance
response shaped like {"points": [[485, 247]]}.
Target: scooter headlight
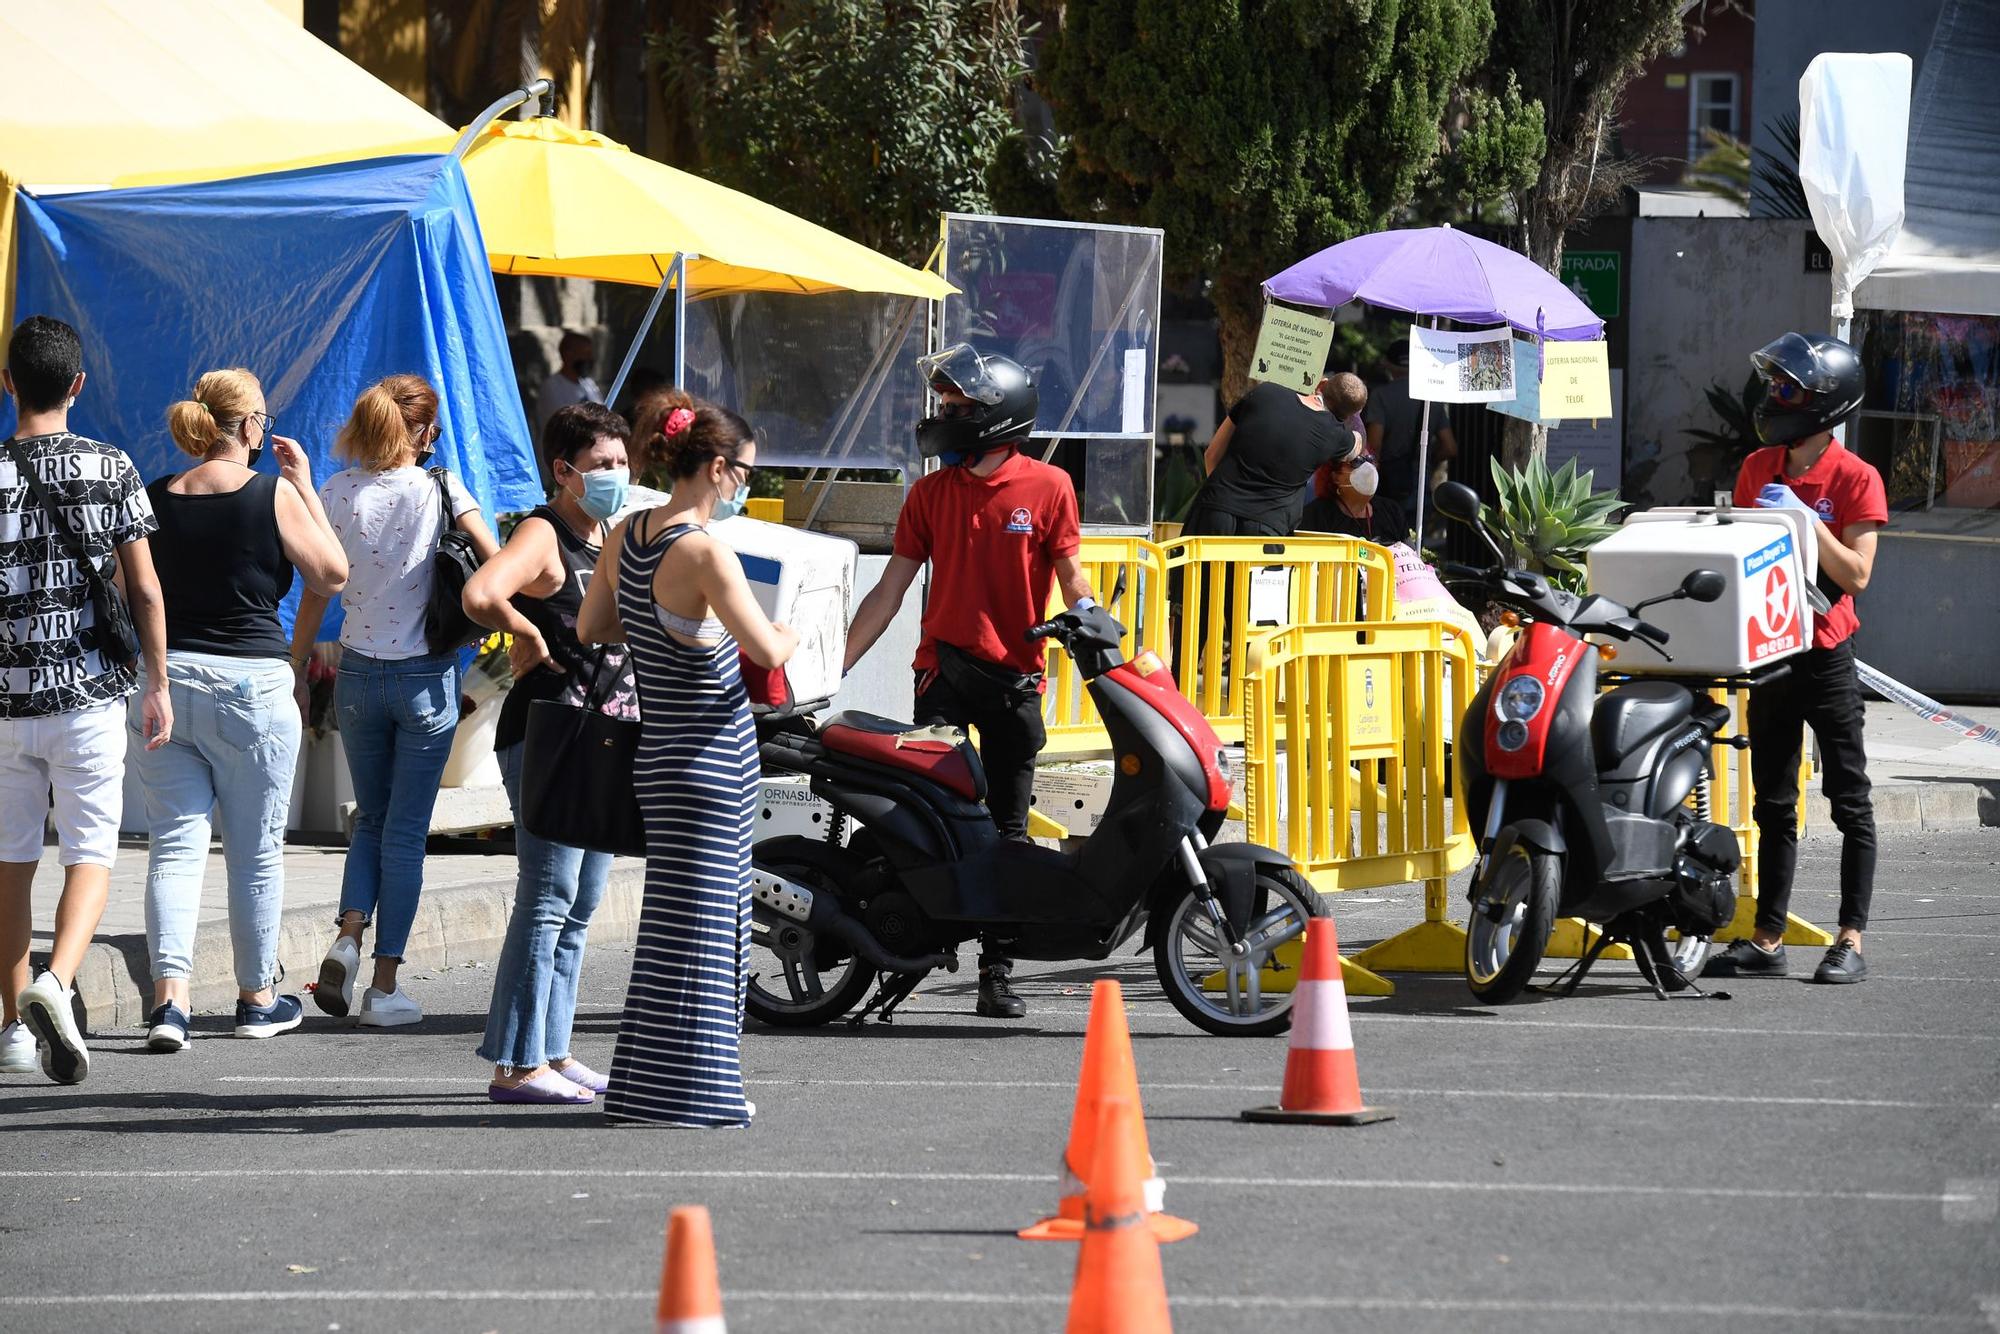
{"points": [[1519, 700], [1512, 735]]}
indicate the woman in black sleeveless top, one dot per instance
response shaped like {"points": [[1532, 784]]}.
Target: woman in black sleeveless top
{"points": [[229, 541], [533, 590]]}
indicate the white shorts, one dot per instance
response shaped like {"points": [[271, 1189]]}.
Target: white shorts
{"points": [[82, 756]]}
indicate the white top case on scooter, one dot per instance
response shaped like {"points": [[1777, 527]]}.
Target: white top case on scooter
{"points": [[1768, 558]]}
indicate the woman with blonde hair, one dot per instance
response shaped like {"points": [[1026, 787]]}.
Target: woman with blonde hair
{"points": [[229, 541], [396, 701]]}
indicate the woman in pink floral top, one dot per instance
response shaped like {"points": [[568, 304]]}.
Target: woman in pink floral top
{"points": [[533, 590]]}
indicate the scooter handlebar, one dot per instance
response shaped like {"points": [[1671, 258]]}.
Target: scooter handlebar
{"points": [[1045, 629]]}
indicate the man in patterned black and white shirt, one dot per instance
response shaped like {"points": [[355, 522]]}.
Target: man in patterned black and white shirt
{"points": [[62, 701]]}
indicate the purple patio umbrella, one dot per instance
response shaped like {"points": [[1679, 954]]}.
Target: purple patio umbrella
{"points": [[1445, 274]]}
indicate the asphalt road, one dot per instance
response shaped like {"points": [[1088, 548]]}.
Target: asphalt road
{"points": [[1795, 1158]]}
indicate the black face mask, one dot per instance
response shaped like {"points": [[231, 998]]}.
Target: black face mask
{"points": [[425, 455], [256, 452]]}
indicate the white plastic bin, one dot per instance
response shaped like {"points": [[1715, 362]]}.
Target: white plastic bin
{"points": [[805, 580], [1767, 559]]}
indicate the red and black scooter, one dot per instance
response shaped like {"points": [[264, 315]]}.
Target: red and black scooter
{"points": [[1589, 804], [911, 867]]}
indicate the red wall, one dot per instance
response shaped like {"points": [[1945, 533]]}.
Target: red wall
{"points": [[1654, 119]]}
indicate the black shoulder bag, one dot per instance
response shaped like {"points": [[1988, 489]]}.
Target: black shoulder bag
{"points": [[446, 626], [576, 773], [117, 639]]}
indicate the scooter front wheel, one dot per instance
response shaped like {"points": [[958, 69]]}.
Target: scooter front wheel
{"points": [[1507, 932], [796, 979], [1218, 990]]}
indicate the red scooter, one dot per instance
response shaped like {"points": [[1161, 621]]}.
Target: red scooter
{"points": [[1590, 804], [911, 866]]}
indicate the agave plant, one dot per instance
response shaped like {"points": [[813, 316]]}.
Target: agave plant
{"points": [[1548, 520]]}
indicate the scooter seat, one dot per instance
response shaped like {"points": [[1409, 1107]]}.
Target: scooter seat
{"points": [[942, 755], [1631, 715]]}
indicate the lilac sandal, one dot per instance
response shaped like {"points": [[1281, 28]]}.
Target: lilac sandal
{"points": [[581, 1075], [546, 1089]]}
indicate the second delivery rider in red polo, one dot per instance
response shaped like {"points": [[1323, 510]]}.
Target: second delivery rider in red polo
{"points": [[998, 528]]}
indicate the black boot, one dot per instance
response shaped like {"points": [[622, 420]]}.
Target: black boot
{"points": [[997, 998]]}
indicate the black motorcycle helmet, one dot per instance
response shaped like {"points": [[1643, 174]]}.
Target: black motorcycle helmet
{"points": [[1004, 404], [1812, 383]]}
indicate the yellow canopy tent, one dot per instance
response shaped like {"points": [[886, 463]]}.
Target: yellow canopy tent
{"points": [[99, 89]]}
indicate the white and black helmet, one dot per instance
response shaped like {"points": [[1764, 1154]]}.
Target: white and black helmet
{"points": [[1004, 403]]}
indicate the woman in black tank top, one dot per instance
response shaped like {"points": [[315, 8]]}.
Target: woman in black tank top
{"points": [[533, 590], [229, 543]]}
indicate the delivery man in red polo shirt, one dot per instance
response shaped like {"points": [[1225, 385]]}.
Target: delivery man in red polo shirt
{"points": [[1812, 384], [997, 528]]}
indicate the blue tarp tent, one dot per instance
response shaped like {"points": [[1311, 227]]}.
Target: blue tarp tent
{"points": [[321, 281]]}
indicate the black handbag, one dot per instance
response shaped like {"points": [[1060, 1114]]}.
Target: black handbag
{"points": [[117, 639], [576, 774], [446, 626]]}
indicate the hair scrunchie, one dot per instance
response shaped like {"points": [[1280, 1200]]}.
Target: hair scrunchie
{"points": [[677, 421]]}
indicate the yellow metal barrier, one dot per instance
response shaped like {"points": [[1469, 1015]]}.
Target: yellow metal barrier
{"points": [[1071, 718], [1362, 800], [1730, 797], [1221, 582]]}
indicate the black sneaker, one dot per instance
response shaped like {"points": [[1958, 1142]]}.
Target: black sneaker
{"points": [[1744, 959], [167, 1028], [997, 997], [1843, 964]]}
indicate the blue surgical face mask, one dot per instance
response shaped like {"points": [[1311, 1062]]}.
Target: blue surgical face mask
{"points": [[604, 492], [728, 507]]}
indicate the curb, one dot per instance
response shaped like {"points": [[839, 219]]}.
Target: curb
{"points": [[458, 923], [1964, 803]]}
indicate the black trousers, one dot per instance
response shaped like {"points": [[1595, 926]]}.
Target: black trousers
{"points": [[1007, 710], [1821, 692]]}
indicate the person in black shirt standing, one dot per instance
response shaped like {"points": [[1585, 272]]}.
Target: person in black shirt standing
{"points": [[1260, 460], [229, 540], [534, 590]]}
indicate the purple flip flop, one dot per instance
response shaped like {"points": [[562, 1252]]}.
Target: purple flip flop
{"points": [[545, 1089], [581, 1075]]}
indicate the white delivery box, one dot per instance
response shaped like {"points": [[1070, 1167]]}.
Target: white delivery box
{"points": [[805, 580], [1767, 559]]}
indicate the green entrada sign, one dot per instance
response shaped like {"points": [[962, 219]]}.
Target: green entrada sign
{"points": [[1593, 275]]}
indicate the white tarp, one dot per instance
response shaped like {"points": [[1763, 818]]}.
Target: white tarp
{"points": [[1948, 256], [1854, 125]]}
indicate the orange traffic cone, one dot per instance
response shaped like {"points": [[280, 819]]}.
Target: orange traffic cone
{"points": [[1119, 1288], [690, 1291], [1322, 1085], [1108, 1072]]}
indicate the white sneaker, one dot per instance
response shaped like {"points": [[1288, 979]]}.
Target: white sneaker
{"points": [[17, 1050], [335, 992], [388, 1009], [46, 1010]]}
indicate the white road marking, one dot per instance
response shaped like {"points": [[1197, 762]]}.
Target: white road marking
{"points": [[1978, 1200], [1184, 1301], [1579, 1188], [1531, 1095]]}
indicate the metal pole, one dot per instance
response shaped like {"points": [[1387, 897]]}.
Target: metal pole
{"points": [[533, 91], [680, 273], [639, 339]]}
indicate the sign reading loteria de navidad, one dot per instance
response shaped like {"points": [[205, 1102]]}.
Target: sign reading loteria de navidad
{"points": [[1291, 348]]}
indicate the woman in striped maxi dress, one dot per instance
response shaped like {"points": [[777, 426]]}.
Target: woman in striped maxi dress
{"points": [[677, 597]]}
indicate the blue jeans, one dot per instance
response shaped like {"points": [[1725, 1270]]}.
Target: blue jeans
{"points": [[235, 748], [534, 990], [396, 723]]}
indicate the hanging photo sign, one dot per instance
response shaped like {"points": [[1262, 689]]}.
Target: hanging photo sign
{"points": [[1291, 348], [1461, 367]]}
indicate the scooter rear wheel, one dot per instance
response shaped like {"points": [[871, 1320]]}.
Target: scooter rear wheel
{"points": [[795, 980], [1190, 960], [1507, 932]]}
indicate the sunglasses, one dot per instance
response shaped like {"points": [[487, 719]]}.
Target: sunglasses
{"points": [[749, 471], [1789, 393], [266, 421]]}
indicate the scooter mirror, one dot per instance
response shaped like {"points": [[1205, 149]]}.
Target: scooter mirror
{"points": [[1704, 585], [1458, 501]]}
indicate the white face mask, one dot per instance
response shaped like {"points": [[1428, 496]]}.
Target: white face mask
{"points": [[1364, 479]]}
